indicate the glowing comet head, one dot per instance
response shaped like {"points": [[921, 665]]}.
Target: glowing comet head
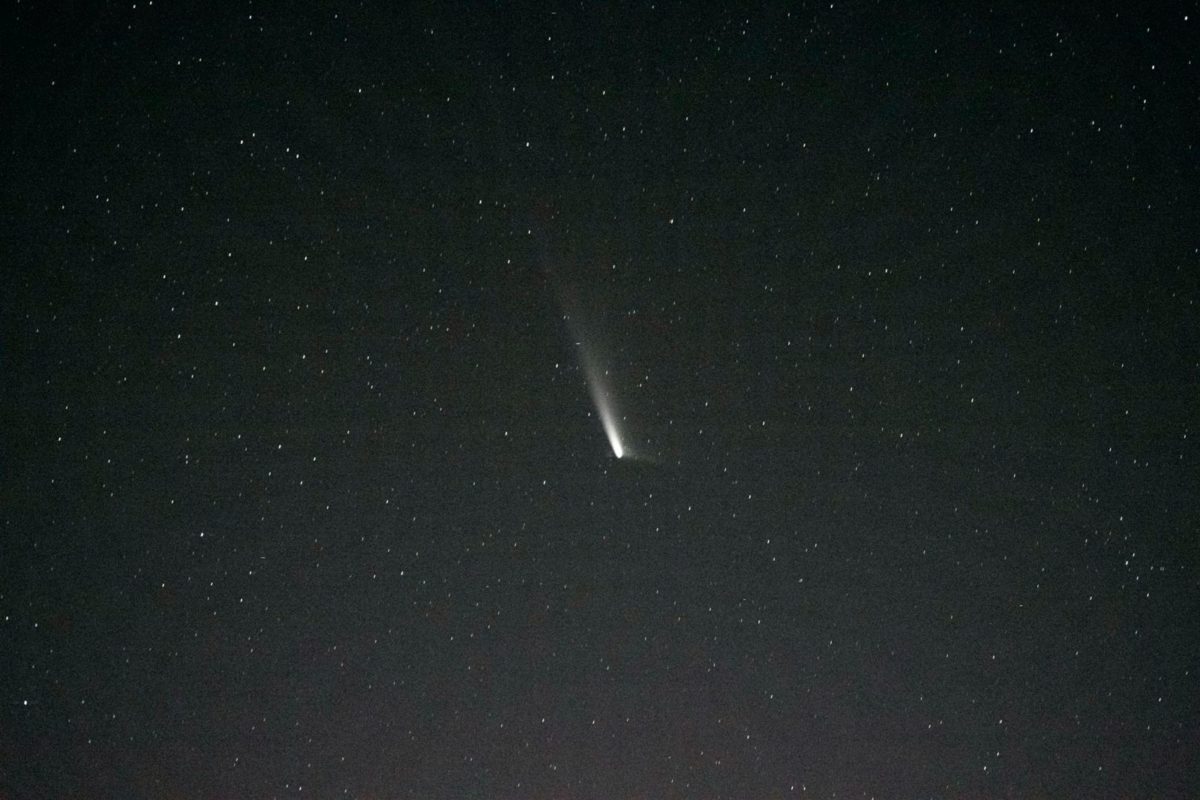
{"points": [[610, 430], [604, 407], [598, 384]]}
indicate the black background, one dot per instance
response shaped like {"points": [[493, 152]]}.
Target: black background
{"points": [[303, 493]]}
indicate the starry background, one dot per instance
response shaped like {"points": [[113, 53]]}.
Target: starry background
{"points": [[303, 492]]}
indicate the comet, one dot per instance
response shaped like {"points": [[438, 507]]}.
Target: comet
{"points": [[598, 387], [604, 406], [585, 329]]}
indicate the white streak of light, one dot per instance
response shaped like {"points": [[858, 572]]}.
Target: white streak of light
{"points": [[597, 382], [604, 407], [610, 424]]}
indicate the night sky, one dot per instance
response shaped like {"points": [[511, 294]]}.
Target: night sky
{"points": [[321, 329]]}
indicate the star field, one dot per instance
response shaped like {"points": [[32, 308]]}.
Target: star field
{"points": [[310, 315]]}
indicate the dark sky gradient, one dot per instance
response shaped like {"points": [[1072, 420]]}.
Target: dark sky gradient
{"points": [[303, 493]]}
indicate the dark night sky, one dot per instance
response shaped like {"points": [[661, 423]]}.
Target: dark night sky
{"points": [[303, 492]]}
